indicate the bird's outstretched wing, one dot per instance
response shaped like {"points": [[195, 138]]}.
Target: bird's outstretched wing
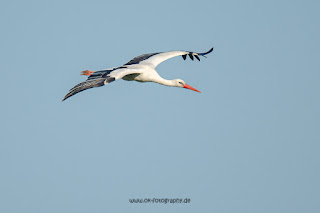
{"points": [[154, 59], [101, 78], [98, 82]]}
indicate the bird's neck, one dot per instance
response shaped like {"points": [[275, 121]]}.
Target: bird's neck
{"points": [[165, 82]]}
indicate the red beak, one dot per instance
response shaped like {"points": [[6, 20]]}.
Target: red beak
{"points": [[190, 87]]}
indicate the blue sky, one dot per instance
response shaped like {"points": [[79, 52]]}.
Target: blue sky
{"points": [[248, 143]]}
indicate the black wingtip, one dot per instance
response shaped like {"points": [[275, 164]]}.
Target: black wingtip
{"points": [[197, 57], [191, 56], [66, 97], [202, 54], [184, 57]]}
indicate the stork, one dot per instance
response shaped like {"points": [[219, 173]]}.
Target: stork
{"points": [[140, 68]]}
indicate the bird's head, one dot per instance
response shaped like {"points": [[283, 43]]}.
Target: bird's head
{"points": [[181, 83]]}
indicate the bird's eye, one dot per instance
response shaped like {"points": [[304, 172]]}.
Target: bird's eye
{"points": [[180, 82]]}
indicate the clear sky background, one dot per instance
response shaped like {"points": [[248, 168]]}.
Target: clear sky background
{"points": [[248, 143]]}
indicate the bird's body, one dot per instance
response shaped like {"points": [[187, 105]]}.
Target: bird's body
{"points": [[140, 68]]}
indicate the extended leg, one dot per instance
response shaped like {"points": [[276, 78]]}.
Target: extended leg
{"points": [[87, 72]]}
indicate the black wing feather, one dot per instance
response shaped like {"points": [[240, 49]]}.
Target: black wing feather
{"points": [[85, 85], [202, 54], [184, 56], [140, 58]]}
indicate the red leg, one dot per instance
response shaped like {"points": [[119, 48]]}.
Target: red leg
{"points": [[87, 72]]}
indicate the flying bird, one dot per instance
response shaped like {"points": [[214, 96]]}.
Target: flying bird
{"points": [[140, 68]]}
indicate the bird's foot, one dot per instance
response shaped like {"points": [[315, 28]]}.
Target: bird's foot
{"points": [[87, 72]]}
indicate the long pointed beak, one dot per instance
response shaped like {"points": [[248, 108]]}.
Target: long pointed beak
{"points": [[190, 87]]}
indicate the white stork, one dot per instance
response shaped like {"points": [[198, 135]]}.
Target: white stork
{"points": [[141, 69]]}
